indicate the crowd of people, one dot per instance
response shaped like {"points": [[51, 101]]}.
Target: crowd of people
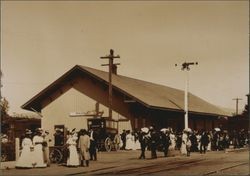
{"points": [[186, 141], [32, 154], [82, 146], [35, 152]]}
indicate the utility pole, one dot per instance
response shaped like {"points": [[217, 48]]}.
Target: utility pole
{"points": [[237, 103], [185, 66], [111, 64]]}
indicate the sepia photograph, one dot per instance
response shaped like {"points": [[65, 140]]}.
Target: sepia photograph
{"points": [[124, 87]]}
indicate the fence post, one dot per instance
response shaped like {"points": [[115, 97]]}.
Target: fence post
{"points": [[17, 150]]}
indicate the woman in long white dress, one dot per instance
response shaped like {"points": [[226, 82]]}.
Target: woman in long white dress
{"points": [[198, 136], [137, 145], [129, 141], [38, 149], [25, 161], [209, 144], [172, 140], [73, 159], [184, 143]]}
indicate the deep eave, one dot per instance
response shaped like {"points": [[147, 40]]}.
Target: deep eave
{"points": [[34, 104]]}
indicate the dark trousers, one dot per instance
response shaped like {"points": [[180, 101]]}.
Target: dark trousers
{"points": [[142, 156], [123, 144], [153, 150], [165, 150], [92, 150], [203, 148]]}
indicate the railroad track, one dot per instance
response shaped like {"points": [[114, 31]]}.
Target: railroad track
{"points": [[164, 166], [169, 166], [225, 168], [149, 169]]}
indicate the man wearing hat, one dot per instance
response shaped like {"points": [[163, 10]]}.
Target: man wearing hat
{"points": [[123, 138], [45, 147], [143, 141], [165, 140], [153, 142], [93, 144]]}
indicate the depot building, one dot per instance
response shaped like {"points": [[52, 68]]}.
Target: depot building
{"points": [[83, 92]]}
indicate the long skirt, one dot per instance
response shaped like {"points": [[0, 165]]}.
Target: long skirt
{"points": [[183, 149], [73, 159], [209, 146], [38, 156], [129, 144], [25, 159]]}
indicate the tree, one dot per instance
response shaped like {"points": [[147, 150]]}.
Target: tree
{"points": [[4, 104]]}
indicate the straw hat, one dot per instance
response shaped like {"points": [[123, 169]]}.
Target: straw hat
{"points": [[27, 131], [145, 130], [164, 130]]}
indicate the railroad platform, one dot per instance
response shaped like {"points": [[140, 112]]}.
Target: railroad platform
{"points": [[172, 153]]}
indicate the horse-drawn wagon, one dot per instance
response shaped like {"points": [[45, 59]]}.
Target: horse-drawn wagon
{"points": [[107, 136]]}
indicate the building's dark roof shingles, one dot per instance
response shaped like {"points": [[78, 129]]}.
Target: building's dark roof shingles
{"points": [[150, 94]]}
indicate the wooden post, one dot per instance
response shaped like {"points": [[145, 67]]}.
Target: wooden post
{"points": [[17, 149], [237, 103], [111, 58]]}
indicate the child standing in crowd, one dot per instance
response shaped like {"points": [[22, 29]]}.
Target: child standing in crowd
{"points": [[83, 145]]}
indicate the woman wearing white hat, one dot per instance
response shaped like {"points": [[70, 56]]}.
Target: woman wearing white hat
{"points": [[25, 161], [38, 149], [73, 158]]}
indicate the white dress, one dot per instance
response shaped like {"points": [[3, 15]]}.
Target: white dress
{"points": [[137, 145], [209, 144], [73, 159], [25, 160], [173, 143], [183, 144], [198, 136], [38, 152], [129, 142]]}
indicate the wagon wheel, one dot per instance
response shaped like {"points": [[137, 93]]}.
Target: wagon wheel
{"points": [[55, 156], [108, 144]]}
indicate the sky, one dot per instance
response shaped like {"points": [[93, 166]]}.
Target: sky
{"points": [[41, 40]]}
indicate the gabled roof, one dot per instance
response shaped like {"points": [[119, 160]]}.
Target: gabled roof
{"points": [[149, 94]]}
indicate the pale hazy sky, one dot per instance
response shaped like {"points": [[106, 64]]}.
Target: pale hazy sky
{"points": [[40, 41]]}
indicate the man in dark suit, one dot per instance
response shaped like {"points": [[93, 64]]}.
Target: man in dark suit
{"points": [[204, 142], [165, 140], [93, 144], [123, 138], [154, 139], [143, 142]]}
